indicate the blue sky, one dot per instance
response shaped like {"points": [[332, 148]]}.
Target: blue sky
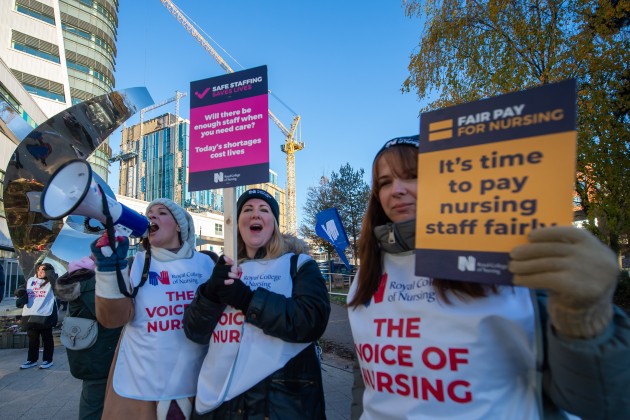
{"points": [[338, 64]]}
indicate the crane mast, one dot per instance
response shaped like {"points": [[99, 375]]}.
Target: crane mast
{"points": [[290, 145]]}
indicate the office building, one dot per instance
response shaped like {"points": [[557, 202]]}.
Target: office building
{"points": [[62, 52], [53, 54]]}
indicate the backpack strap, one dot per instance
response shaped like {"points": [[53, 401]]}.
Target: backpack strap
{"points": [[293, 269]]}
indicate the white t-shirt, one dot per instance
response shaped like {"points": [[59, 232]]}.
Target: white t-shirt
{"points": [[156, 361], [424, 359], [240, 354], [41, 300]]}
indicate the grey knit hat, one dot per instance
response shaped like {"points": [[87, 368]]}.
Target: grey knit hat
{"points": [[182, 217]]}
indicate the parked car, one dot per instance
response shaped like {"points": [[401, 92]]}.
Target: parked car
{"points": [[337, 268]]}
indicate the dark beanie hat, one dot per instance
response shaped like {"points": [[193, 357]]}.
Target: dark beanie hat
{"points": [[410, 141], [47, 266], [261, 194]]}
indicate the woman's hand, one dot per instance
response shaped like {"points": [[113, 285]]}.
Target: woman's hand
{"points": [[579, 272], [235, 293], [225, 285], [106, 257], [223, 274]]}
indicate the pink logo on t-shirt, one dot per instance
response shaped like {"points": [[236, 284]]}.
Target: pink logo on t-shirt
{"points": [[380, 292]]}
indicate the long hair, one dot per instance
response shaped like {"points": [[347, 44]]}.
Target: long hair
{"points": [[274, 248], [403, 162]]}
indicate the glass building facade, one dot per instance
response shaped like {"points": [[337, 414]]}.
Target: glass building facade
{"points": [[53, 54], [154, 160]]}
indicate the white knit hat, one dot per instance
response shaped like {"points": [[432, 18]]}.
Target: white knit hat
{"points": [[182, 217]]}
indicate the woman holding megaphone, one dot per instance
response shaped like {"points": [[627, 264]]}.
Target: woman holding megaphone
{"points": [[155, 369]]}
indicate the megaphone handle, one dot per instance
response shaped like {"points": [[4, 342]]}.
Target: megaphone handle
{"points": [[111, 236], [109, 221]]}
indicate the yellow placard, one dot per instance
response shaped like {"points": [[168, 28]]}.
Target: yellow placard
{"points": [[490, 172], [488, 197]]}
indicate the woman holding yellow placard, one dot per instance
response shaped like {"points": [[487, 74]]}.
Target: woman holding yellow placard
{"points": [[431, 348]]}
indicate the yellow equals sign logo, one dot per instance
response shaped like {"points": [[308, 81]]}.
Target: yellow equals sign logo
{"points": [[441, 130]]}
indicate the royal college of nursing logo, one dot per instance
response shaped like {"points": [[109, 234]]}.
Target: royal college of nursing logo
{"points": [[466, 263], [218, 177], [380, 292], [159, 278]]}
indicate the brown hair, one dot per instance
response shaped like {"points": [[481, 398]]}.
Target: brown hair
{"points": [[404, 164]]}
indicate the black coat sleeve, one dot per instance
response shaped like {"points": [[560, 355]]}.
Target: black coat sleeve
{"points": [[21, 301], [201, 317], [301, 318]]}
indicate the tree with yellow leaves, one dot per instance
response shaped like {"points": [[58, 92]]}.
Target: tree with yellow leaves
{"points": [[474, 49]]}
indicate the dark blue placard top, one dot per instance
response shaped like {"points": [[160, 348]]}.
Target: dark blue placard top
{"points": [[229, 87], [496, 120]]}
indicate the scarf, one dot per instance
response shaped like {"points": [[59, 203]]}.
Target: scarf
{"points": [[395, 238]]}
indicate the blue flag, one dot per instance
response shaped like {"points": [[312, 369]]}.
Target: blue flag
{"points": [[328, 227]]}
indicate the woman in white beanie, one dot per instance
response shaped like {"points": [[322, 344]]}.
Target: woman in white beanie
{"points": [[261, 321], [155, 369]]}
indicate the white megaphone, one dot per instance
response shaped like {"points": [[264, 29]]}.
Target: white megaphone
{"points": [[71, 190]]}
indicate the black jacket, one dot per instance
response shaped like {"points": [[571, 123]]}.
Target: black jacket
{"points": [[78, 288], [296, 390]]}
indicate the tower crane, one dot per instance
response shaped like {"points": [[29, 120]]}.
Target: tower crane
{"points": [[290, 146]]}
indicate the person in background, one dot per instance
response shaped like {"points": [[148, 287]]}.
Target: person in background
{"points": [[552, 343], [155, 370], [261, 320], [39, 314], [91, 365]]}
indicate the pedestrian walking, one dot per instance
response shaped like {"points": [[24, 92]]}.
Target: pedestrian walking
{"points": [[39, 314]]}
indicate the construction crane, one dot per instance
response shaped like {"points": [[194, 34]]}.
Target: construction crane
{"points": [[290, 146], [176, 98]]}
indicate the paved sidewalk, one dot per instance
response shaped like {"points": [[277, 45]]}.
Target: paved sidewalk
{"points": [[35, 393], [41, 394], [38, 394]]}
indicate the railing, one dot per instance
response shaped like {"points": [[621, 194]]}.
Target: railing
{"points": [[337, 283]]}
